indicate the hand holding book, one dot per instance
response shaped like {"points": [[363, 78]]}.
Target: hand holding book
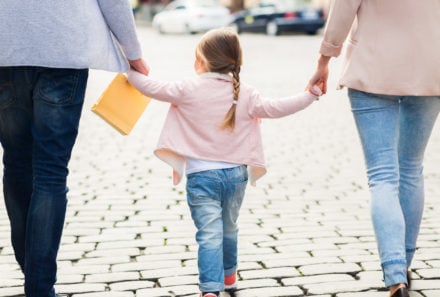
{"points": [[121, 105]]}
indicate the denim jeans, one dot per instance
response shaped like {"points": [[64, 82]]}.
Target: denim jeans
{"points": [[215, 198], [40, 110], [394, 132]]}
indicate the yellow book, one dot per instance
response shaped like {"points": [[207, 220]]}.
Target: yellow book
{"points": [[121, 104]]}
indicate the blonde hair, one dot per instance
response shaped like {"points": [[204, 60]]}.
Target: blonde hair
{"points": [[220, 49]]}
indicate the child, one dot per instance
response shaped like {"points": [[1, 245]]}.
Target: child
{"points": [[212, 128]]}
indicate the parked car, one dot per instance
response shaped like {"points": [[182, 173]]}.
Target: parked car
{"points": [[274, 17], [191, 16]]}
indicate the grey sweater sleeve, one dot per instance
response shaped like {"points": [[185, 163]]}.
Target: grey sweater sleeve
{"points": [[119, 18]]}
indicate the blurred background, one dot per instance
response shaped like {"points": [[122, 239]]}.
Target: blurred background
{"points": [[272, 17]]}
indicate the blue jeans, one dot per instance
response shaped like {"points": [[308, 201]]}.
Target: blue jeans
{"points": [[40, 110], [215, 198], [394, 132]]}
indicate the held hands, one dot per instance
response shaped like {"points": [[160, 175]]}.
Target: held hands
{"points": [[316, 89], [140, 66], [320, 76]]}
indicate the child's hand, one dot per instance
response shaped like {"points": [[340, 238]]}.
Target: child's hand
{"points": [[140, 66], [316, 89]]}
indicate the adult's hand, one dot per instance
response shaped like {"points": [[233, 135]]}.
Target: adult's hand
{"points": [[140, 66], [320, 76]]}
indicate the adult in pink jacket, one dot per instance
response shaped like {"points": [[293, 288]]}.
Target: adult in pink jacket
{"points": [[391, 69]]}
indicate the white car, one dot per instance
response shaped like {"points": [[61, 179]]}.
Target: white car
{"points": [[191, 16]]}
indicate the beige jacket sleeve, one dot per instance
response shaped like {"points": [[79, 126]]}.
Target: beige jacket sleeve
{"points": [[341, 18]]}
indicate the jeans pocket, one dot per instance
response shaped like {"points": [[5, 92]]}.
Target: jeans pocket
{"points": [[58, 86], [7, 94]]}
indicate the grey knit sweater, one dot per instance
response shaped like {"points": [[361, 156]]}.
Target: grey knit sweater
{"points": [[98, 34]]}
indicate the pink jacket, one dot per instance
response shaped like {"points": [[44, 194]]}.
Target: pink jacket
{"points": [[393, 48], [199, 105]]}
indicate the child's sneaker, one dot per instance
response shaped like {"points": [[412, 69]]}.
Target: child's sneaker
{"points": [[231, 282], [214, 294]]}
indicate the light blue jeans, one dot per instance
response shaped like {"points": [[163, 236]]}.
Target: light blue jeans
{"points": [[215, 198], [40, 109], [394, 132]]}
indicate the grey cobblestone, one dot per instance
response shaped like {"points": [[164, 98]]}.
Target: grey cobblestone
{"points": [[305, 230]]}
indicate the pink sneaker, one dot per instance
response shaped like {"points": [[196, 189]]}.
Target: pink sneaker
{"points": [[231, 282]]}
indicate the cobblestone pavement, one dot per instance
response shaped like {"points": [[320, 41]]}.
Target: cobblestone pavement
{"points": [[304, 230]]}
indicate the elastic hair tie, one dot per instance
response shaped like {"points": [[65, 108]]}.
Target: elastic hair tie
{"points": [[234, 102]]}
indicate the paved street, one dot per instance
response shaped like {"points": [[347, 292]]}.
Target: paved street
{"points": [[304, 230]]}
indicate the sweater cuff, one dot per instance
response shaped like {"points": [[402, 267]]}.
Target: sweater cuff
{"points": [[329, 49]]}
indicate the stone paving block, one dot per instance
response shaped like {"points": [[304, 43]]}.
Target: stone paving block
{"points": [[105, 294], [168, 272], [104, 260], [433, 263], [155, 292], [425, 284], [66, 268], [430, 293], [257, 283], [139, 243], [303, 280], [113, 252], [107, 238], [70, 255], [79, 288], [325, 269], [271, 292], [185, 290], [371, 265], [285, 260], [131, 285], [363, 294], [254, 250], [139, 266], [10, 282], [165, 249], [345, 253], [169, 256], [69, 278], [76, 247], [279, 272], [178, 280], [348, 286], [429, 273], [11, 291], [8, 259], [111, 277], [306, 247]]}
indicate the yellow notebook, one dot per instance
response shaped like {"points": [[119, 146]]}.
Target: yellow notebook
{"points": [[121, 104]]}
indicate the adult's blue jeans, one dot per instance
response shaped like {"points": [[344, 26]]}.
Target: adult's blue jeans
{"points": [[40, 110], [394, 132], [215, 198]]}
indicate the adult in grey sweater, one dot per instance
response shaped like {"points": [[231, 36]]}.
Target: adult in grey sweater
{"points": [[46, 50]]}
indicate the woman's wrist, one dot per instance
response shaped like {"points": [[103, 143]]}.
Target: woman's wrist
{"points": [[323, 61]]}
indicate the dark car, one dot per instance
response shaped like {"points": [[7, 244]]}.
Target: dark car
{"points": [[275, 17]]}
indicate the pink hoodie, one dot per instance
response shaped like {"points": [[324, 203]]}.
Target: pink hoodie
{"points": [[198, 107]]}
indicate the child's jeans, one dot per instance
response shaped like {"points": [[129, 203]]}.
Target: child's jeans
{"points": [[214, 198]]}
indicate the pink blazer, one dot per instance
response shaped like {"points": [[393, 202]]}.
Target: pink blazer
{"points": [[197, 109]]}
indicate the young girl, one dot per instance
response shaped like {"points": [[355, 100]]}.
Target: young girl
{"points": [[213, 129]]}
